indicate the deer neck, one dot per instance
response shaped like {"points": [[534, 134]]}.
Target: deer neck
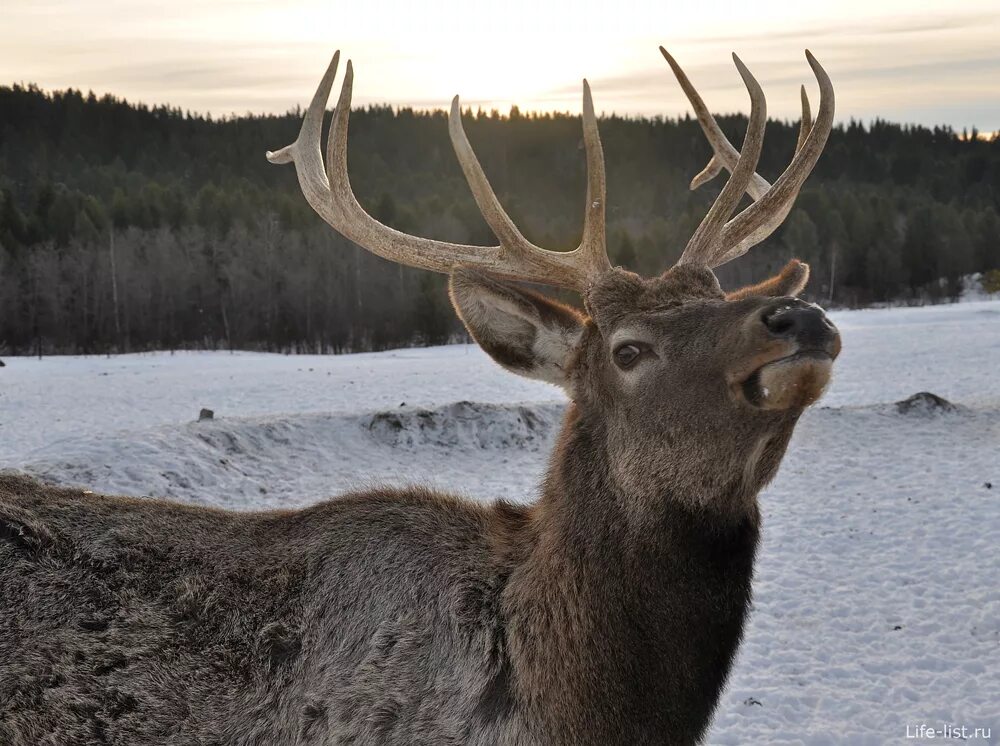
{"points": [[586, 497], [614, 609]]}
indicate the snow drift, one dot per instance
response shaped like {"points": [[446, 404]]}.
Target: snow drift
{"points": [[293, 460]]}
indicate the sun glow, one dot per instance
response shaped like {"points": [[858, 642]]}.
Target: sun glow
{"points": [[899, 59]]}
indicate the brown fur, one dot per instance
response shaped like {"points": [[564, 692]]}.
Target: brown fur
{"points": [[791, 280], [608, 612]]}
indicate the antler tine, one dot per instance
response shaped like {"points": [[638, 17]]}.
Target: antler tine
{"points": [[756, 223], [761, 218], [724, 154], [594, 240], [493, 213], [345, 214], [805, 124], [328, 191], [593, 243], [592, 252], [704, 246], [312, 180]]}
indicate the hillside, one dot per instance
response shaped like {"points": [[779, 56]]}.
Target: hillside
{"points": [[125, 227]]}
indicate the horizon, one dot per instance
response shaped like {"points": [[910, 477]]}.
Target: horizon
{"points": [[963, 133], [902, 62]]}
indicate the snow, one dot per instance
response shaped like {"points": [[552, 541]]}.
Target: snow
{"points": [[877, 597], [78, 395]]}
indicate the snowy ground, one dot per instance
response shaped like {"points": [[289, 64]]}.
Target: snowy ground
{"points": [[877, 599]]}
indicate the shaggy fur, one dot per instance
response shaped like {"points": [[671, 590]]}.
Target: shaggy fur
{"points": [[608, 612]]}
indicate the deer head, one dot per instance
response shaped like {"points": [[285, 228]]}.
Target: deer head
{"points": [[689, 387]]}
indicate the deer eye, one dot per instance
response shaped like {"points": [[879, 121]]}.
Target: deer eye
{"points": [[626, 355]]}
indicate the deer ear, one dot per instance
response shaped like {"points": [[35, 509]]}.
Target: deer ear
{"points": [[525, 332], [790, 281]]}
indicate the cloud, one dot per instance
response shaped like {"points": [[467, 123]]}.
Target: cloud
{"points": [[848, 28], [930, 65], [926, 70]]}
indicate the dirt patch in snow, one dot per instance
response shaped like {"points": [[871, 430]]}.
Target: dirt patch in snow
{"points": [[467, 425]]}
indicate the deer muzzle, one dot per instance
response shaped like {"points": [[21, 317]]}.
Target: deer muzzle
{"points": [[794, 362]]}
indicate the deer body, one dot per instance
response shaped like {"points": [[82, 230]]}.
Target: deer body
{"points": [[607, 612], [397, 617]]}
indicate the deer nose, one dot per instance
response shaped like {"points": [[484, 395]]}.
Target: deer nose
{"points": [[805, 323]]}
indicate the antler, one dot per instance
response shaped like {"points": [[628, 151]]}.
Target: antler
{"points": [[328, 191], [772, 202]]}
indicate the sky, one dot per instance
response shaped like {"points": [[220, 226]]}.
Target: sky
{"points": [[904, 60]]}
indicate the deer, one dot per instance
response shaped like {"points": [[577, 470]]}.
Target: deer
{"points": [[607, 611]]}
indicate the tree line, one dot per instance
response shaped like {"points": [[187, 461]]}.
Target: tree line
{"points": [[125, 227]]}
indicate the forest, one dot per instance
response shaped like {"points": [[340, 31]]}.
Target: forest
{"points": [[125, 227]]}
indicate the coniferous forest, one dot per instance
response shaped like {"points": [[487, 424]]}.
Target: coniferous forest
{"points": [[126, 228]]}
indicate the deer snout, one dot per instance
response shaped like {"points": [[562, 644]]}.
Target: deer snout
{"points": [[796, 345], [804, 324]]}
